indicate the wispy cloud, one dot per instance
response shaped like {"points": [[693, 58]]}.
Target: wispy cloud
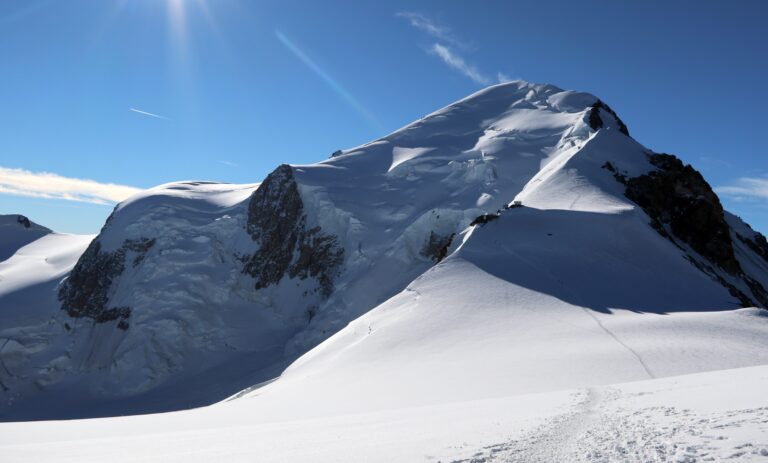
{"points": [[445, 47], [145, 113], [229, 163], [458, 63], [20, 182], [427, 25], [745, 188], [330, 81]]}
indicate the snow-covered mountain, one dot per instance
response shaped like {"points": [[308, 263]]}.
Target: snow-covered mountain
{"points": [[17, 231], [33, 263], [519, 234]]}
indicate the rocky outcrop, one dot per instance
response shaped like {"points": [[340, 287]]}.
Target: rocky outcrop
{"points": [[677, 197], [436, 247], [484, 219], [596, 122], [23, 221], [683, 208], [287, 244], [86, 292]]}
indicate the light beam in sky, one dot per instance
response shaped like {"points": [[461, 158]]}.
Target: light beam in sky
{"points": [[330, 81]]}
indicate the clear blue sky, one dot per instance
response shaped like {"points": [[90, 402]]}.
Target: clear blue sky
{"points": [[243, 86]]}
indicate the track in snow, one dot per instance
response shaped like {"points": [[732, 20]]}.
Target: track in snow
{"points": [[553, 441], [602, 429]]}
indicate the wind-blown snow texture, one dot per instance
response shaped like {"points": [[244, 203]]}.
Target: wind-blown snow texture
{"points": [[193, 290]]}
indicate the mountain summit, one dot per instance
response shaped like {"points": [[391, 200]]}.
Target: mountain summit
{"points": [[516, 212]]}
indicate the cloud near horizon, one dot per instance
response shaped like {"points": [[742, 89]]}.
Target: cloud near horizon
{"points": [[745, 188], [21, 182]]}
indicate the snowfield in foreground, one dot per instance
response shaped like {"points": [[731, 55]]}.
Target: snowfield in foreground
{"points": [[718, 416]]}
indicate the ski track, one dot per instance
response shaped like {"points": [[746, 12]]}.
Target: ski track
{"points": [[622, 343], [601, 429]]}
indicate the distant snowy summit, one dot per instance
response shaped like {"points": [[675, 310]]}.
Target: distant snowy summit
{"points": [[195, 290], [16, 231]]}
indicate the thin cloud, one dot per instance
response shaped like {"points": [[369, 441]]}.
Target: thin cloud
{"points": [[424, 24], [145, 113], [444, 48], [229, 163], [458, 63], [745, 188], [20, 182]]}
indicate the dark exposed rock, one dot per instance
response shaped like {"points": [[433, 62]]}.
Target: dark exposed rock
{"points": [[683, 208], [86, 292], [596, 122], [23, 221], [336, 153], [484, 219], [676, 195], [277, 221], [319, 256], [436, 247]]}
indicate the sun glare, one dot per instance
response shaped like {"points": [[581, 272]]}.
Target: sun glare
{"points": [[176, 14]]}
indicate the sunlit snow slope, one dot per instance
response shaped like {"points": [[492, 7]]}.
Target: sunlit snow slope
{"points": [[516, 241]]}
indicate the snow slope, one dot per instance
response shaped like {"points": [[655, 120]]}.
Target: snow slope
{"points": [[691, 418], [620, 266], [17, 231], [28, 284]]}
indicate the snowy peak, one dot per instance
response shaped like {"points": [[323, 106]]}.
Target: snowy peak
{"points": [[17, 231]]}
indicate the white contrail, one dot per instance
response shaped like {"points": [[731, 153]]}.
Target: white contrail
{"points": [[148, 114]]}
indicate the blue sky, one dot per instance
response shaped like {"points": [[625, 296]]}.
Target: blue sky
{"points": [[241, 86]]}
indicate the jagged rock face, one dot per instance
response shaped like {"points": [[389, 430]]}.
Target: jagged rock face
{"points": [[436, 247], [684, 208], [23, 221], [86, 292], [596, 122], [287, 246], [676, 195]]}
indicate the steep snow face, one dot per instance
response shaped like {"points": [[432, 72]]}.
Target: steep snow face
{"points": [[29, 333], [17, 231], [397, 203], [194, 290]]}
